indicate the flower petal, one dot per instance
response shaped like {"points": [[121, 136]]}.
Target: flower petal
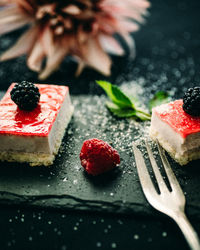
{"points": [[126, 25], [107, 24], [55, 56], [44, 9], [134, 9], [71, 10], [55, 51], [110, 45], [9, 10], [80, 68], [53, 62], [125, 12], [22, 46], [47, 41], [5, 2], [36, 57], [140, 5], [28, 6], [11, 19], [95, 57]]}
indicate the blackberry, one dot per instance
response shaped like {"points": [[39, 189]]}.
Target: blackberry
{"points": [[26, 95], [191, 101]]}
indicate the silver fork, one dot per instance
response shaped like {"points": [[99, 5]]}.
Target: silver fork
{"points": [[171, 203]]}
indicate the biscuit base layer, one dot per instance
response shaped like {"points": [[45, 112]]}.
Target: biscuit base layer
{"points": [[31, 158], [182, 159]]}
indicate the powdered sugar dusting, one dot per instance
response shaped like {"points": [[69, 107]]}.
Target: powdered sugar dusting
{"points": [[164, 108], [95, 120]]}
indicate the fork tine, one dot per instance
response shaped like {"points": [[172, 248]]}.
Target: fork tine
{"points": [[170, 175], [161, 183], [147, 185]]}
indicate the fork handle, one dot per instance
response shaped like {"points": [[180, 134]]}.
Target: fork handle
{"points": [[187, 230]]}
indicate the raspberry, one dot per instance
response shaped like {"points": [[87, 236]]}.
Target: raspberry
{"points": [[26, 95], [191, 101], [98, 156]]}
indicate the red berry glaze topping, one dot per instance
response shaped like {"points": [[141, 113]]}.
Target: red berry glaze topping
{"points": [[98, 156], [173, 114], [37, 122]]}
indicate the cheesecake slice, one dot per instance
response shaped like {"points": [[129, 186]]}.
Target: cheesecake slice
{"points": [[177, 131], [34, 136]]}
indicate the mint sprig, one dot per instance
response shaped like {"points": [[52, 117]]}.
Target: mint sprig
{"points": [[122, 106]]}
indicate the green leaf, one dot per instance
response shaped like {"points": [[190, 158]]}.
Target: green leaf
{"points": [[120, 112], [158, 99], [127, 112], [116, 95], [122, 105]]}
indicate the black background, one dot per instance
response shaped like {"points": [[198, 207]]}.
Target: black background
{"points": [[168, 44]]}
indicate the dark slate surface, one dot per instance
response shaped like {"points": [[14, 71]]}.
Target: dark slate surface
{"points": [[65, 185], [168, 57]]}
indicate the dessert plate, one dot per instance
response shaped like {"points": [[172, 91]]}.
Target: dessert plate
{"points": [[65, 185]]}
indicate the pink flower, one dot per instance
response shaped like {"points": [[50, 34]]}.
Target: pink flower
{"points": [[83, 29]]}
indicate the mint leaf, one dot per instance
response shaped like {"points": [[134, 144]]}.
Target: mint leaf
{"points": [[120, 112], [121, 105], [159, 98], [116, 95]]}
